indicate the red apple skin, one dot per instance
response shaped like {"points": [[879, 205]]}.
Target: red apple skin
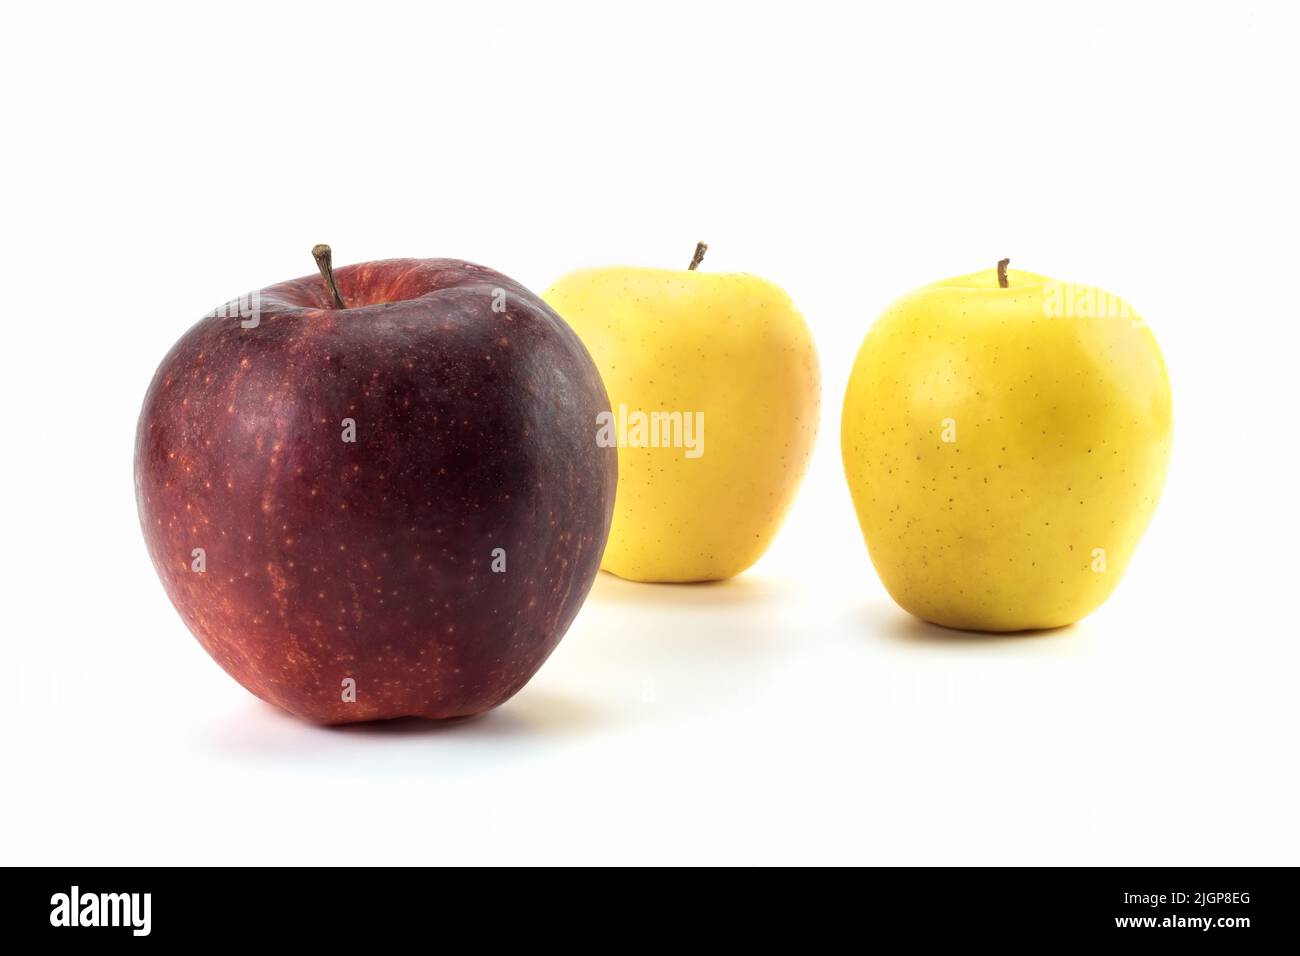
{"points": [[372, 560]]}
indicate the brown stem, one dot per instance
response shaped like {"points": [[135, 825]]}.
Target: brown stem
{"points": [[700, 249], [1002, 272], [325, 263]]}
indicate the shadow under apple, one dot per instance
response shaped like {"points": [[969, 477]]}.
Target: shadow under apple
{"points": [[657, 652], [262, 733], [887, 618]]}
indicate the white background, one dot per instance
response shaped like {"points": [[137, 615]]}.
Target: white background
{"points": [[160, 160]]}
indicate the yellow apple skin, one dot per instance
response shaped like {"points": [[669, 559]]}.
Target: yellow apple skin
{"points": [[1062, 420], [731, 346]]}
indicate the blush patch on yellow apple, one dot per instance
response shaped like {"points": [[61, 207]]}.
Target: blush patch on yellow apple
{"points": [[1005, 439], [714, 391]]}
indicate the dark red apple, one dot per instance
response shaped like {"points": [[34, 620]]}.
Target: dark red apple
{"points": [[381, 498]]}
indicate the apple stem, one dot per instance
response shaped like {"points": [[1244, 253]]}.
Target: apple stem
{"points": [[325, 263], [700, 249], [1002, 272]]}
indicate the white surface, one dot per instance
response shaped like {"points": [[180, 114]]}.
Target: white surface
{"points": [[160, 161]]}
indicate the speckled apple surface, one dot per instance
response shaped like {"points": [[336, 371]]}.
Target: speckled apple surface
{"points": [[326, 560], [1005, 460]]}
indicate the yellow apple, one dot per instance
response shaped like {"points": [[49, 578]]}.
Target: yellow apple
{"points": [[1005, 439], [714, 389]]}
